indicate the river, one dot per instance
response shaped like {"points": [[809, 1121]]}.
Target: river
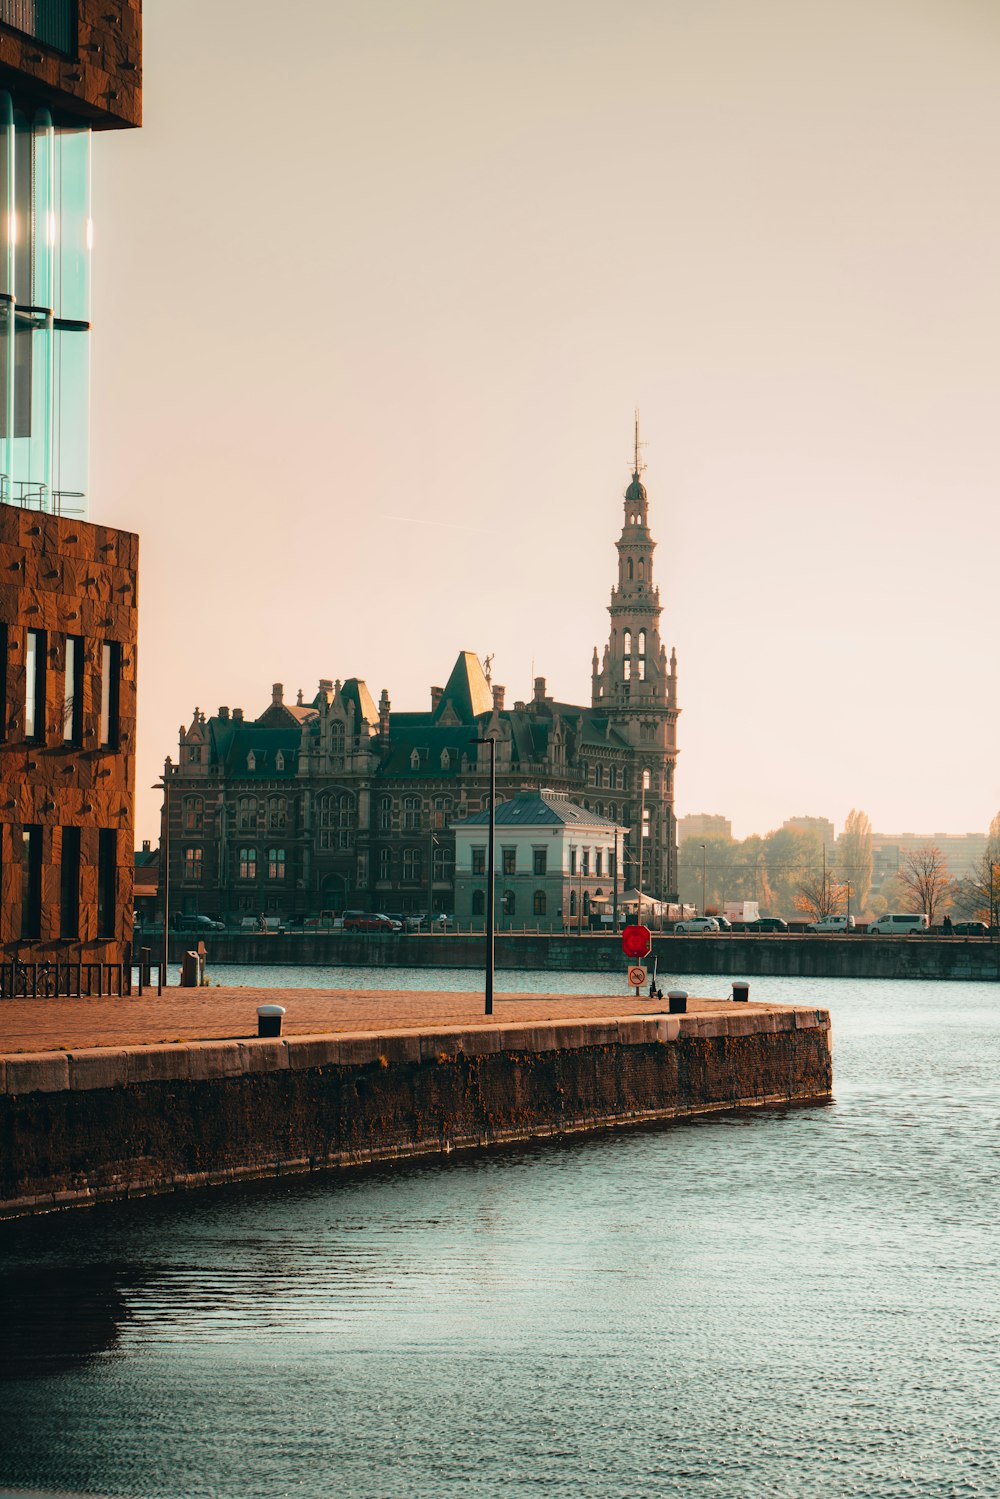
{"points": [[790, 1303]]}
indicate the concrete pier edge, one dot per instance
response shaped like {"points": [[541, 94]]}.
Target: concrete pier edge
{"points": [[86, 1125]]}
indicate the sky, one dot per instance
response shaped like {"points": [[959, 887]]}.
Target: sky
{"points": [[376, 297]]}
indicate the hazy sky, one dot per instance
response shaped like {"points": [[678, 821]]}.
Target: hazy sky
{"points": [[376, 295]]}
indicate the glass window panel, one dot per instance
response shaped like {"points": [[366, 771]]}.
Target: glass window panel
{"points": [[31, 882], [69, 882]]}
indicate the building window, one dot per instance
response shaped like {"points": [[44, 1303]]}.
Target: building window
{"points": [[509, 903], [608, 776], [251, 761], [192, 754], [246, 813], [510, 861], [478, 902], [592, 775], [385, 864], [539, 903], [192, 863], [599, 861], [277, 813], [479, 861], [194, 814], [34, 685], [248, 863], [572, 861], [572, 902], [385, 815], [362, 868], [411, 812], [107, 861], [443, 865], [586, 861], [69, 884], [73, 691], [31, 879], [111, 670], [620, 782], [337, 739], [411, 864], [276, 863], [345, 811], [540, 859], [279, 761]]}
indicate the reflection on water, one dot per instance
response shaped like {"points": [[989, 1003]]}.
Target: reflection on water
{"points": [[796, 1304]]}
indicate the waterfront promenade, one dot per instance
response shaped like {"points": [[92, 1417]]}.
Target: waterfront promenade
{"points": [[214, 1014]]}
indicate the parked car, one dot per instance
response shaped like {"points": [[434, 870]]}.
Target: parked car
{"points": [[183, 922], [725, 925], [697, 924], [324, 920], [767, 924], [901, 924], [370, 921], [970, 929], [832, 924], [443, 922]]}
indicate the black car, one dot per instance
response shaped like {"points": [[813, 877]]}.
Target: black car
{"points": [[970, 929], [767, 924]]}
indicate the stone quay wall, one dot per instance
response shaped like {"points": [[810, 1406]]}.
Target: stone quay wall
{"points": [[84, 1126], [731, 956]]}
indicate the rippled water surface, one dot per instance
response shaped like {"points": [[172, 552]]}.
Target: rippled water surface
{"points": [[791, 1304]]}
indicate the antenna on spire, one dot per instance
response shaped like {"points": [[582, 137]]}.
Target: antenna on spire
{"points": [[639, 465]]}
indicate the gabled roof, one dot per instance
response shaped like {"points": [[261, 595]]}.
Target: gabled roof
{"points": [[540, 809], [356, 691], [467, 690]]}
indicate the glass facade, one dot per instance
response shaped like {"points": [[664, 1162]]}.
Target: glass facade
{"points": [[45, 243], [48, 21]]}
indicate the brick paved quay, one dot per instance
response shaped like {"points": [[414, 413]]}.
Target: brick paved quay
{"points": [[179, 1015]]}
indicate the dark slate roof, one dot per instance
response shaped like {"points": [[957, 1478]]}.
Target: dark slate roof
{"points": [[535, 809], [356, 691], [233, 740], [467, 690], [418, 731]]}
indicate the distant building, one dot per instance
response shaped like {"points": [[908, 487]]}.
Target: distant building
{"points": [[339, 801], [556, 864], [963, 851], [703, 825], [819, 825], [68, 591]]}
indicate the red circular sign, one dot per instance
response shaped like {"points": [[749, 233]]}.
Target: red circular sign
{"points": [[636, 941]]}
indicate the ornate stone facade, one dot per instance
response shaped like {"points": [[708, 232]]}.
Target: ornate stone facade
{"points": [[341, 802]]}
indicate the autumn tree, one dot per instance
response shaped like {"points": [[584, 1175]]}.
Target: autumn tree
{"points": [[977, 893], [819, 894], [791, 855], [854, 857], [923, 874]]}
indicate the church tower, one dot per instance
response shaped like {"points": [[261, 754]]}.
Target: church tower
{"points": [[636, 686]]}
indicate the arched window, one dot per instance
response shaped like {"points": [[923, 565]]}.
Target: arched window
{"points": [[276, 863], [246, 812], [385, 814], [411, 864], [277, 812], [194, 814], [599, 808], [248, 863], [539, 903], [345, 810], [608, 776], [642, 569], [443, 863], [192, 863], [337, 738], [251, 761], [645, 780], [411, 812], [630, 569], [478, 902], [509, 902], [627, 642], [586, 903], [572, 902], [385, 864], [642, 642]]}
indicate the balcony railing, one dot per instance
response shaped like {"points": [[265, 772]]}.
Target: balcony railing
{"points": [[51, 22]]}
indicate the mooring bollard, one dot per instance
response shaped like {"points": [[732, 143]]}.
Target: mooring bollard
{"points": [[741, 989], [269, 1019], [678, 1001]]}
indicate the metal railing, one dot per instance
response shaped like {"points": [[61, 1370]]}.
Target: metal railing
{"points": [[55, 980], [27, 495]]}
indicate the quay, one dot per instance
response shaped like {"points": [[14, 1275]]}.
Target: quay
{"points": [[118, 1097]]}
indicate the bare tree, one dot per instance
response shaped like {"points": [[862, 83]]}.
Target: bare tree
{"points": [[818, 894], [854, 851], [978, 892], [923, 874]]}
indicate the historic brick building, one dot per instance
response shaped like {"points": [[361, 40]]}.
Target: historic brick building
{"points": [[67, 588], [341, 802]]}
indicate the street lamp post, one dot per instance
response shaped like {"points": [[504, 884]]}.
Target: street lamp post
{"points": [[490, 881], [704, 876], [164, 786]]}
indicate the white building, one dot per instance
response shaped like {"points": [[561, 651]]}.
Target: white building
{"points": [[557, 865]]}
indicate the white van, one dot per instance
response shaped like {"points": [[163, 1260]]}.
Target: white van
{"points": [[900, 925]]}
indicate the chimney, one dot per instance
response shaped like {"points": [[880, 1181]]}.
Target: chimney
{"points": [[437, 693], [498, 693], [539, 689], [237, 715], [383, 716], [299, 698], [146, 845], [277, 695], [325, 684], [224, 714]]}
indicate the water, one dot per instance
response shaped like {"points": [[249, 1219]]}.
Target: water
{"points": [[796, 1304]]}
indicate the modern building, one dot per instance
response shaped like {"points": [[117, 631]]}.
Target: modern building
{"points": [[556, 865], [963, 852], [341, 802], [68, 68], [821, 826], [703, 825]]}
